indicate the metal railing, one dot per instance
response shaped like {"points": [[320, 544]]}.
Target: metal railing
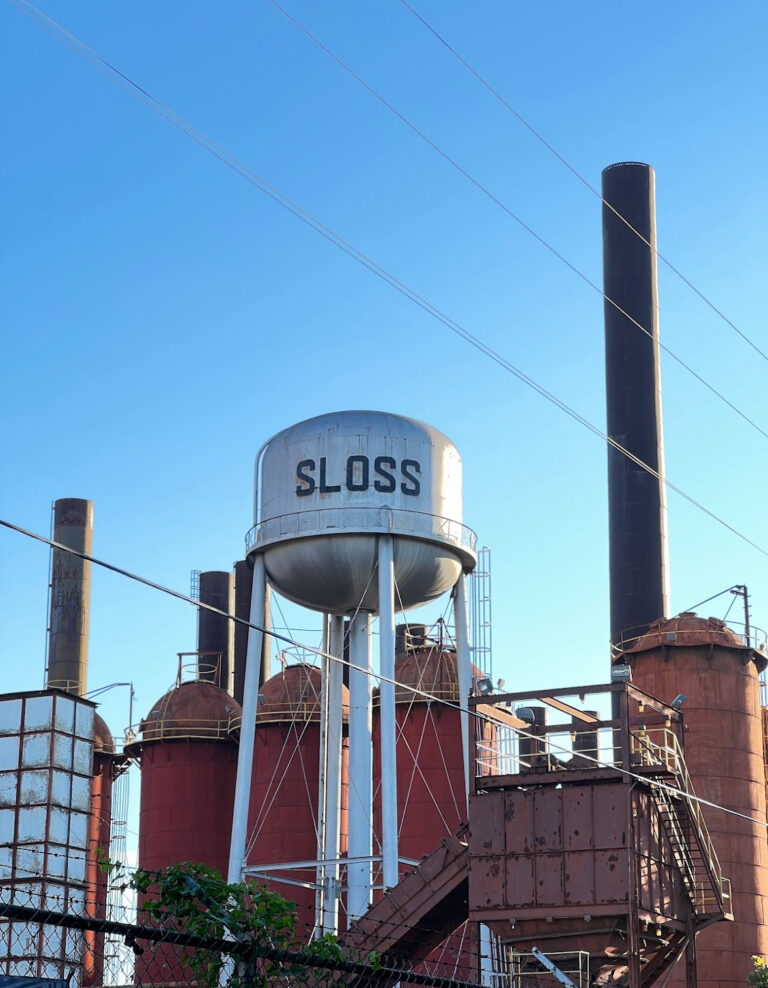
{"points": [[661, 747], [174, 728], [359, 519]]}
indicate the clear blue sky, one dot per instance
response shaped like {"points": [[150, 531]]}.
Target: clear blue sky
{"points": [[161, 317]]}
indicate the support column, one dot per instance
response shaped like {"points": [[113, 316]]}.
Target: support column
{"points": [[329, 808], [360, 766], [463, 669], [387, 720], [248, 726]]}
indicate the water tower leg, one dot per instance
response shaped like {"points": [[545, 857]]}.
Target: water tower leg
{"points": [[388, 728], [248, 726], [329, 809], [463, 666], [360, 766]]}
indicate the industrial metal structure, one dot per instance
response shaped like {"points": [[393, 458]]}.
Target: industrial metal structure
{"points": [[603, 854], [709, 666], [355, 513], [46, 770], [584, 826]]}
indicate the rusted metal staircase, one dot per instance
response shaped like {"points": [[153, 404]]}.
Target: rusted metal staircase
{"points": [[683, 821]]}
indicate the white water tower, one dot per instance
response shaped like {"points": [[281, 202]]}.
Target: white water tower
{"points": [[354, 512]]}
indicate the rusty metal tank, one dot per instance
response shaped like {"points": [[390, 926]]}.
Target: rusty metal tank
{"points": [[718, 674], [99, 835], [282, 821], [188, 758], [431, 789]]}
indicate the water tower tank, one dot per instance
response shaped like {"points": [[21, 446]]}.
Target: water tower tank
{"points": [[327, 486]]}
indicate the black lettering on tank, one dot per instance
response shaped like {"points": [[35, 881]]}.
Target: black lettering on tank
{"points": [[387, 484], [413, 487], [305, 478], [362, 483], [324, 487]]}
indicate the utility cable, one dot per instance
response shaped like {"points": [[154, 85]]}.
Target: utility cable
{"points": [[231, 162], [521, 222], [577, 174], [335, 658]]}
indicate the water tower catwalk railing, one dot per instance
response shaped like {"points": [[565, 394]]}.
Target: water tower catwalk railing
{"points": [[323, 521]]}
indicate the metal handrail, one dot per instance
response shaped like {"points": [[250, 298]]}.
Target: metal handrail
{"points": [[316, 521], [175, 728], [670, 754]]}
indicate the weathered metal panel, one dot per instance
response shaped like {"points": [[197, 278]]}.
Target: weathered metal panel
{"points": [[579, 885], [579, 816], [612, 876], [549, 868], [609, 816], [519, 825], [520, 881]]}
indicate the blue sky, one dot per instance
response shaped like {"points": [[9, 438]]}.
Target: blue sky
{"points": [[161, 317]]}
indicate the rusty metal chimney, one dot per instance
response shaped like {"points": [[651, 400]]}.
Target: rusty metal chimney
{"points": [[70, 596], [637, 509]]}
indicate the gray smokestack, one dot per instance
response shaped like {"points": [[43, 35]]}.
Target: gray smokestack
{"points": [[636, 500], [70, 596], [215, 633]]}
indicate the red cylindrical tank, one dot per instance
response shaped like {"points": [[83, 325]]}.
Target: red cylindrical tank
{"points": [[709, 663], [431, 790], [99, 832], [188, 756], [282, 820]]}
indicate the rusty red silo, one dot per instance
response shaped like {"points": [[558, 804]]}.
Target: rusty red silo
{"points": [[282, 820], [431, 787], [99, 834], [718, 674], [188, 758]]}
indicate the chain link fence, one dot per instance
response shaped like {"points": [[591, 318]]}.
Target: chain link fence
{"points": [[48, 946]]}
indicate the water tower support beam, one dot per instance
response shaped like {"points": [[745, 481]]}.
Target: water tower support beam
{"points": [[463, 666], [248, 725], [329, 810], [360, 766], [387, 695]]}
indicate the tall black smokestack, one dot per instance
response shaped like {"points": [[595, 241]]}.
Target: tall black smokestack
{"points": [[215, 633], [637, 510]]}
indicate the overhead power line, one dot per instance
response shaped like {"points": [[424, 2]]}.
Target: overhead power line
{"points": [[320, 653], [201, 139], [514, 216], [577, 174]]}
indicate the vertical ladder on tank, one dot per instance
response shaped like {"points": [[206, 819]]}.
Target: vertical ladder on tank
{"points": [[480, 612], [194, 584]]}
